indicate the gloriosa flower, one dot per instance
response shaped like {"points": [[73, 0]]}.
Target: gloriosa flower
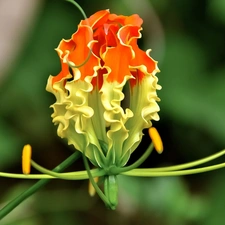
{"points": [[105, 97], [106, 89]]}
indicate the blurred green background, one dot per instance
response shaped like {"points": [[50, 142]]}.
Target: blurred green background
{"points": [[187, 38]]}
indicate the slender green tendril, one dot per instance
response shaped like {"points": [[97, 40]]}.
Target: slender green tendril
{"points": [[147, 173], [79, 7], [23, 176], [190, 164], [90, 52], [170, 171], [80, 65], [79, 175]]}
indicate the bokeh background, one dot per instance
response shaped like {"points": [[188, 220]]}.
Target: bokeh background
{"points": [[187, 38]]}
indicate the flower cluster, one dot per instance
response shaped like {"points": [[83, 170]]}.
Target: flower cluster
{"points": [[106, 89]]}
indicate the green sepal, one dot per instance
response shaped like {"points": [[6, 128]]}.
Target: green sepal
{"points": [[99, 157]]}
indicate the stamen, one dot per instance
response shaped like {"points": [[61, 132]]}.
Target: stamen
{"points": [[91, 189], [26, 159], [156, 139]]}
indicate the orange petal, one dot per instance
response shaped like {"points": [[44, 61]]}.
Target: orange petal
{"points": [[138, 76], [82, 38], [129, 35], [98, 80], [99, 36], [142, 58], [97, 19], [118, 60], [117, 18], [134, 20], [105, 36], [111, 34], [64, 73], [64, 45]]}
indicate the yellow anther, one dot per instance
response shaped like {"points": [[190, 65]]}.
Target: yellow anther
{"points": [[26, 159], [91, 189], [156, 139]]}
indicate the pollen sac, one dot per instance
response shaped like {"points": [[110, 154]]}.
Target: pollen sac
{"points": [[26, 159], [156, 139], [106, 89]]}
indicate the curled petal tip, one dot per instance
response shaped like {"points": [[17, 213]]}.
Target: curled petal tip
{"points": [[156, 139], [26, 159]]}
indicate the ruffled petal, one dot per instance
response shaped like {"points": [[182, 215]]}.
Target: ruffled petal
{"points": [[97, 19], [84, 42], [115, 117], [128, 36], [119, 69], [143, 103], [134, 19], [64, 46], [73, 114], [143, 86]]}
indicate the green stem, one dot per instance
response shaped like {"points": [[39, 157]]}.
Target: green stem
{"points": [[79, 7], [96, 187], [79, 175], [23, 176], [15, 202], [83, 63], [150, 173], [188, 165]]}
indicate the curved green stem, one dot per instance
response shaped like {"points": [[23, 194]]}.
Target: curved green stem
{"points": [[190, 164], [97, 189], [150, 173], [15, 202], [23, 176], [79, 175], [83, 63], [79, 7]]}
